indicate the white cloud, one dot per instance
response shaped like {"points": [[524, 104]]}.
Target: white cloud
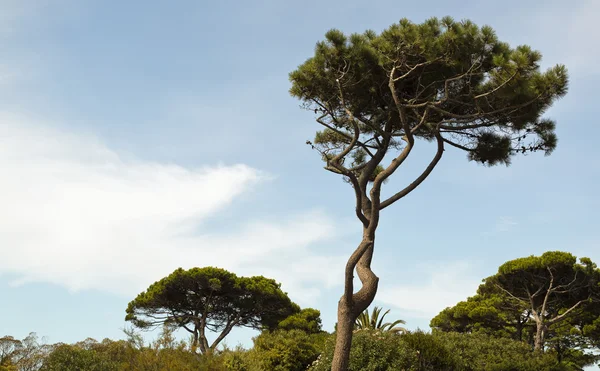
{"points": [[437, 287], [76, 214]]}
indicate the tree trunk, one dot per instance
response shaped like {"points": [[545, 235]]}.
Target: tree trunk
{"points": [[349, 310], [343, 337], [204, 347], [195, 342], [540, 335]]}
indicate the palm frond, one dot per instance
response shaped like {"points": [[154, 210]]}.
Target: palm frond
{"points": [[375, 321]]}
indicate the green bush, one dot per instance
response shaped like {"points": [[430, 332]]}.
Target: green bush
{"points": [[371, 351], [278, 350], [70, 357], [236, 359], [431, 353], [419, 351], [481, 352], [285, 350], [126, 356]]}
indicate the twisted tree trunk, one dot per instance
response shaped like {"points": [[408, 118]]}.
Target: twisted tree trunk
{"points": [[351, 304]]}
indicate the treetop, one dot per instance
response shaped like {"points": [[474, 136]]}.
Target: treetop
{"points": [[483, 96]]}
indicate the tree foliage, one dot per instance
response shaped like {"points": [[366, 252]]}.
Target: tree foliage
{"points": [[439, 77], [213, 299], [307, 320], [493, 314]]}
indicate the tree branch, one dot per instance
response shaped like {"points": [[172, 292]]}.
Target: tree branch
{"points": [[455, 78], [511, 295], [562, 316], [548, 292], [346, 135], [496, 88], [396, 162], [479, 114], [228, 327], [567, 286], [336, 164], [420, 178], [411, 70], [457, 145]]}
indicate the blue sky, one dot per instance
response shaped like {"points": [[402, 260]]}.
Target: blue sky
{"points": [[137, 137]]}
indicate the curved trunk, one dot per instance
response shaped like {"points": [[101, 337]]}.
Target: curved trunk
{"points": [[343, 337], [349, 310]]}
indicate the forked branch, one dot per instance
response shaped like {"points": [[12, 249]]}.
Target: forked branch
{"points": [[436, 159]]}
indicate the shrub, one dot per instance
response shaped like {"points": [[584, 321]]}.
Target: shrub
{"points": [[236, 359], [419, 351], [481, 352], [371, 351], [285, 350], [71, 357]]}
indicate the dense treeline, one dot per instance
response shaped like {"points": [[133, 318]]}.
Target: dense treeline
{"points": [[285, 350], [536, 314]]}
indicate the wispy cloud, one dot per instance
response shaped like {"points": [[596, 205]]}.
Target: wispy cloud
{"points": [[437, 287], [77, 214]]}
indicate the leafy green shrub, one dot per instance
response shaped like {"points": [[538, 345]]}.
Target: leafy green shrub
{"points": [[71, 357], [480, 352], [419, 351], [371, 351], [278, 350], [285, 350], [236, 359], [163, 354], [431, 353]]}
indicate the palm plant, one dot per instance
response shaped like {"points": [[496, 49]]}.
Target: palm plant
{"points": [[374, 321]]}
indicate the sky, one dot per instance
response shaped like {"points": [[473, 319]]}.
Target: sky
{"points": [[138, 137]]}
